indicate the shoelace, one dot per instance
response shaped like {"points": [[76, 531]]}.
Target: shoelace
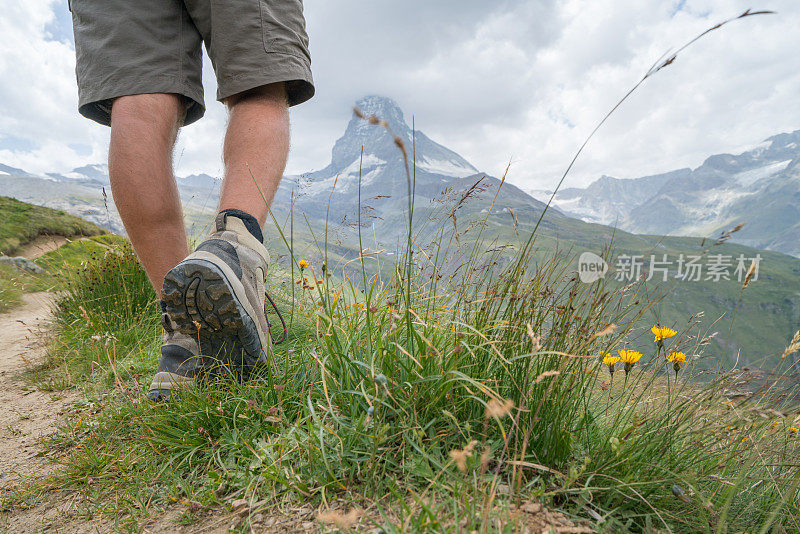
{"points": [[269, 325]]}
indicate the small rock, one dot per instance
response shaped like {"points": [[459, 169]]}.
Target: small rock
{"points": [[531, 507], [23, 264]]}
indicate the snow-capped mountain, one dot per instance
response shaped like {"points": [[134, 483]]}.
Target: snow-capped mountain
{"points": [[438, 172], [759, 187]]}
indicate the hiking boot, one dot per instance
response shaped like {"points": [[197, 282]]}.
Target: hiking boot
{"points": [[180, 363], [216, 296]]}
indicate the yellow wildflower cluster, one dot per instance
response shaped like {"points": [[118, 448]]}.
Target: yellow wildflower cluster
{"points": [[628, 357]]}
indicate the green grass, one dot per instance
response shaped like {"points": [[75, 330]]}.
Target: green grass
{"points": [[378, 392], [765, 319], [10, 289], [21, 222]]}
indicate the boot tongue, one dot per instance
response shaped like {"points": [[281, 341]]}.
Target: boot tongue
{"points": [[249, 222]]}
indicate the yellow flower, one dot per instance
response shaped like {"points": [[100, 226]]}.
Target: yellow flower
{"points": [[610, 361], [676, 357], [303, 264], [629, 357], [662, 333], [794, 430]]}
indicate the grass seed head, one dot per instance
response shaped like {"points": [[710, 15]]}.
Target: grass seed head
{"points": [[545, 375], [750, 272], [499, 409], [536, 340], [485, 455], [794, 345], [460, 456], [608, 330]]}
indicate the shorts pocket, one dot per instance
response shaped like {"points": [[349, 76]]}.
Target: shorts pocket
{"points": [[284, 27]]}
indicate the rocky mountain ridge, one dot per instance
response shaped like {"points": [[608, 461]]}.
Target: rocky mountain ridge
{"points": [[759, 187]]}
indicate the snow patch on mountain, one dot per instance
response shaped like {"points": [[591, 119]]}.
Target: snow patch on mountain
{"points": [[446, 167], [758, 187], [754, 175], [369, 166], [576, 208]]}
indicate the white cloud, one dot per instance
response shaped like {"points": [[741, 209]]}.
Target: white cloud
{"points": [[520, 80]]}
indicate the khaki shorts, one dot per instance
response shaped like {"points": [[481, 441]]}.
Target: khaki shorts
{"points": [[128, 47]]}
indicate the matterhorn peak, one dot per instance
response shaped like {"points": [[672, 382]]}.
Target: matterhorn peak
{"points": [[384, 108]]}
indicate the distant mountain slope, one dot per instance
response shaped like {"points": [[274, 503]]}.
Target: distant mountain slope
{"points": [[85, 193], [759, 187]]}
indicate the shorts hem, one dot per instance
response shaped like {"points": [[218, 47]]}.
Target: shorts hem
{"points": [[288, 68], [94, 103]]}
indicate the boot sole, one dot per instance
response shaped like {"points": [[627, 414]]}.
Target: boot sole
{"points": [[201, 301], [166, 385]]}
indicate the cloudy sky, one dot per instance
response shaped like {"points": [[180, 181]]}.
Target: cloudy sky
{"points": [[522, 81]]}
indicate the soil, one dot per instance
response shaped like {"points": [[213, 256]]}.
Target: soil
{"points": [[26, 413], [41, 245]]}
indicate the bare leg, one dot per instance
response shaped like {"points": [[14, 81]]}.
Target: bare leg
{"points": [[256, 146], [143, 133]]}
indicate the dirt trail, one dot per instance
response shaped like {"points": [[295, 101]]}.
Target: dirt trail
{"points": [[26, 414], [41, 245]]}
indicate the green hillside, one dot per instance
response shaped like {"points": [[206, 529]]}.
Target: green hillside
{"points": [[21, 222]]}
